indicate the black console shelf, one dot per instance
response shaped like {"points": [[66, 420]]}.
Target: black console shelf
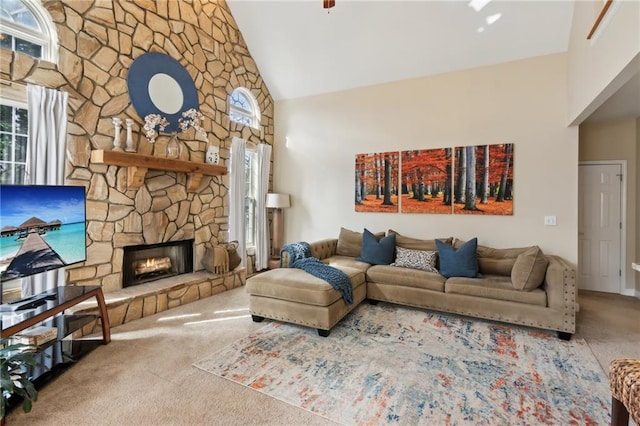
{"points": [[63, 298], [48, 310]]}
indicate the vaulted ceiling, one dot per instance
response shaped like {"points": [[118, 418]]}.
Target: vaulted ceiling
{"points": [[302, 49]]}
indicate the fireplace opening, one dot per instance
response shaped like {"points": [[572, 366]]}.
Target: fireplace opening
{"points": [[150, 262]]}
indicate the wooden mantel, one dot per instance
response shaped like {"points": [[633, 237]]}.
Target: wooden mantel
{"points": [[138, 164]]}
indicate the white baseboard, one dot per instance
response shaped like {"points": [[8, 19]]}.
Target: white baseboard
{"points": [[631, 292]]}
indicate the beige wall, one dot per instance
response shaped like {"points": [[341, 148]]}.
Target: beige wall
{"points": [[618, 140], [523, 102], [600, 66]]}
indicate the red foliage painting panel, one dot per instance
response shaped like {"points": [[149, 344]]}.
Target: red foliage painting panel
{"points": [[426, 181], [376, 182], [483, 181]]}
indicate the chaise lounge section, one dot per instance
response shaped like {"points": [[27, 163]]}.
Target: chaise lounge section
{"points": [[292, 295]]}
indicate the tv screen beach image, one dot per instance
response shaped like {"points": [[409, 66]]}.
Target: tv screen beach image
{"points": [[41, 228]]}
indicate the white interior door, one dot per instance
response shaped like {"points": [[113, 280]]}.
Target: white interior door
{"points": [[600, 227]]}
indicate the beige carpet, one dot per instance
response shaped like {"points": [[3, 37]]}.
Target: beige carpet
{"points": [[145, 375]]}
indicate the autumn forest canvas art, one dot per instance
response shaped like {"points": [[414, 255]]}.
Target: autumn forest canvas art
{"points": [[461, 180], [376, 182], [426, 181], [484, 180]]}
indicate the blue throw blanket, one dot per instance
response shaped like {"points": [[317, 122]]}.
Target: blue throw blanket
{"points": [[300, 257], [296, 251]]}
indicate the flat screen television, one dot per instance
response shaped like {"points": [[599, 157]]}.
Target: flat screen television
{"points": [[42, 227]]}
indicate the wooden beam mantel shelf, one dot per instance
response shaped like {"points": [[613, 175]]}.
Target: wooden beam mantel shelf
{"points": [[138, 164]]}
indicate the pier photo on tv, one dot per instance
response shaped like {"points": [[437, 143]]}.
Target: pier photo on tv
{"points": [[42, 227]]}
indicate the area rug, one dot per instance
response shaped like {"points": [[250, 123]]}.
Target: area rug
{"points": [[388, 364]]}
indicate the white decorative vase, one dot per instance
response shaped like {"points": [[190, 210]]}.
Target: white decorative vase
{"points": [[117, 124], [129, 144]]}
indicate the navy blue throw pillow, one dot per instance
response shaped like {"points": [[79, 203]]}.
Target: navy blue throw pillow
{"points": [[458, 263], [377, 252]]}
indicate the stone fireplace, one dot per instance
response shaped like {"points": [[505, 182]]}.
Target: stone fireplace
{"points": [[159, 212], [98, 41], [149, 262], [145, 245]]}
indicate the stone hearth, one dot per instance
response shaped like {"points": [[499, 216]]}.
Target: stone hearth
{"points": [[146, 299]]}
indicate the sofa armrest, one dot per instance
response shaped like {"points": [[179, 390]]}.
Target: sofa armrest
{"points": [[321, 249], [560, 286]]}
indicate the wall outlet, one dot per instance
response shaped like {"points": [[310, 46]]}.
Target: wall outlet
{"points": [[550, 221]]}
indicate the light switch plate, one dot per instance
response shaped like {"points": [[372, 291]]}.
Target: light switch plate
{"points": [[550, 221]]}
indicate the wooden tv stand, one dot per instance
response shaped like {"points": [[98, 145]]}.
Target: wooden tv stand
{"points": [[58, 354], [65, 297]]}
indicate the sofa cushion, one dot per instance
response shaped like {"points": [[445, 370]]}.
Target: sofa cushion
{"points": [[494, 287], [348, 261], [462, 262], [324, 248], [417, 244], [493, 261], [529, 269], [416, 259], [405, 277], [350, 242], [296, 285], [377, 251]]}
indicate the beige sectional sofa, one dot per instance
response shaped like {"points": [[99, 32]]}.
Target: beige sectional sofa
{"points": [[509, 290]]}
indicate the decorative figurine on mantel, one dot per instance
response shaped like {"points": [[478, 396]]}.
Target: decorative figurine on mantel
{"points": [[213, 154], [117, 124], [129, 147]]}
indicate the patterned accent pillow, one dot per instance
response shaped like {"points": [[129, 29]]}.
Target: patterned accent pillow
{"points": [[416, 259]]}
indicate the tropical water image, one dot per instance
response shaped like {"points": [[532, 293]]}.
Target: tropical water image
{"points": [[41, 228], [68, 242]]}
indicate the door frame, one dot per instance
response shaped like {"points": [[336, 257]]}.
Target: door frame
{"points": [[623, 217]]}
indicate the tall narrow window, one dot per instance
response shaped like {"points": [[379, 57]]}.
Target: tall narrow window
{"points": [[13, 143], [250, 193], [243, 109], [25, 27]]}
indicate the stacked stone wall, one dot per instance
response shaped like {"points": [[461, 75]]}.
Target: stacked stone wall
{"points": [[98, 41]]}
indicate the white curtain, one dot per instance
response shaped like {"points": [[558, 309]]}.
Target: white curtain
{"points": [[46, 152], [262, 223], [236, 196]]}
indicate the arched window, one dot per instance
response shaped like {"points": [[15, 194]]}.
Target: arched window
{"points": [[243, 108], [26, 27]]}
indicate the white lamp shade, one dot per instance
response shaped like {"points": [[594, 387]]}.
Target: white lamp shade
{"points": [[278, 201]]}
